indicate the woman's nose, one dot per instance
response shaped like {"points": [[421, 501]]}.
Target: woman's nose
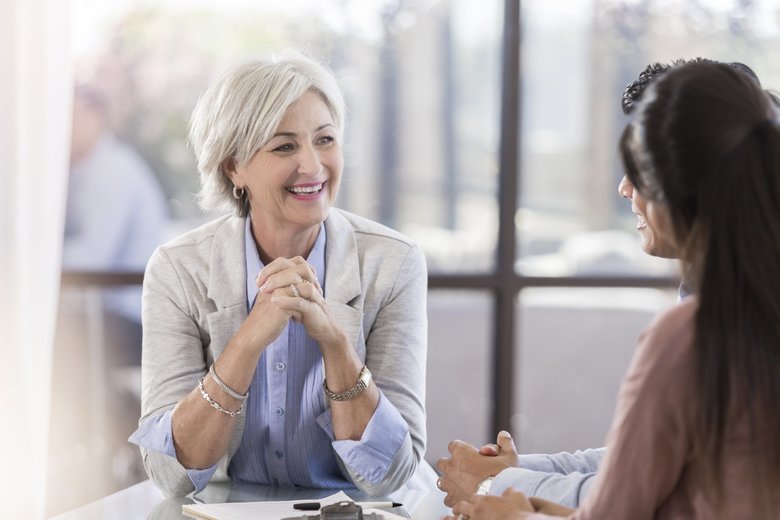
{"points": [[309, 161], [625, 188]]}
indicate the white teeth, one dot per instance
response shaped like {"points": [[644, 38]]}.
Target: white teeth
{"points": [[305, 189]]}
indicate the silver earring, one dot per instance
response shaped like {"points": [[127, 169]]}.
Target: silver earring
{"points": [[238, 192]]}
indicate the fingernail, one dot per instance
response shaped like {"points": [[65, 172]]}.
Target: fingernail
{"points": [[263, 287]]}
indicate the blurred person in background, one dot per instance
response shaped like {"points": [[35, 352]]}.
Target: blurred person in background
{"points": [[116, 215], [564, 478], [695, 433], [284, 343]]}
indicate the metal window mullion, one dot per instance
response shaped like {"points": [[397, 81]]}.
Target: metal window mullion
{"points": [[507, 282]]}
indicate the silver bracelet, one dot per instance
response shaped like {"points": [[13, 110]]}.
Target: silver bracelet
{"points": [[215, 404], [225, 388], [364, 379]]}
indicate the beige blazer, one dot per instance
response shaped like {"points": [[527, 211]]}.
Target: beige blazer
{"points": [[194, 301]]}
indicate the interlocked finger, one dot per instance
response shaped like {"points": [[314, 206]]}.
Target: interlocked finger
{"points": [[282, 272], [310, 292]]}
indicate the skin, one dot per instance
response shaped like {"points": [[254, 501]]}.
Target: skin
{"points": [[654, 241], [467, 466], [511, 505], [304, 152]]}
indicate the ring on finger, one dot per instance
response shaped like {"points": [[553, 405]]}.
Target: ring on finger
{"points": [[438, 484], [463, 517], [294, 290]]}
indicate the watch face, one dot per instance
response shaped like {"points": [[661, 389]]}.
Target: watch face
{"points": [[484, 486], [365, 376]]}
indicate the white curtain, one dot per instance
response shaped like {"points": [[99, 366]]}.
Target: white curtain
{"points": [[35, 112]]}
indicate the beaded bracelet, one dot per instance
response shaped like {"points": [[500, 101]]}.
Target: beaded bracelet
{"points": [[215, 404], [225, 388]]}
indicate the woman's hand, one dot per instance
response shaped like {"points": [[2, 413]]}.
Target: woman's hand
{"points": [[265, 322], [285, 271], [293, 286], [511, 505], [549, 508], [466, 467]]}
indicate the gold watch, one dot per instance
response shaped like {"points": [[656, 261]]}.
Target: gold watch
{"points": [[364, 379]]}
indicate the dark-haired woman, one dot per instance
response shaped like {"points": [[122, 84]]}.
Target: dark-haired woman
{"points": [[696, 433]]}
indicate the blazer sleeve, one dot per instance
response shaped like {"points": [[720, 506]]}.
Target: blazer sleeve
{"points": [[396, 351], [174, 359]]}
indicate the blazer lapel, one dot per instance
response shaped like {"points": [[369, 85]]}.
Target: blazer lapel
{"points": [[227, 283], [342, 280]]}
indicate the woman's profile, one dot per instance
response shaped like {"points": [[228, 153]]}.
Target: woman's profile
{"points": [[696, 433]]}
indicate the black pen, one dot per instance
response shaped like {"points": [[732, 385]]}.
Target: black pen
{"points": [[314, 506]]}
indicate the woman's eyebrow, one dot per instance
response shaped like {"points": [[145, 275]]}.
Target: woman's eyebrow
{"points": [[293, 134]]}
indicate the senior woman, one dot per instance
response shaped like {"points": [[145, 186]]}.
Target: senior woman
{"points": [[284, 343]]}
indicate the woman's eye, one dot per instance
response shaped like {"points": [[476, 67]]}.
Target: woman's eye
{"points": [[326, 139], [287, 147]]}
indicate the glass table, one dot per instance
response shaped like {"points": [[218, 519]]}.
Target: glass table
{"points": [[144, 501]]}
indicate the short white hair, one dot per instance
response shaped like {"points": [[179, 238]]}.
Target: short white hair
{"points": [[241, 112]]}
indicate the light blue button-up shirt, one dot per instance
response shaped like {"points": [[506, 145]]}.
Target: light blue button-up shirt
{"points": [[288, 435]]}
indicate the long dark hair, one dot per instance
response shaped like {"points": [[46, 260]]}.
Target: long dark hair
{"points": [[706, 145]]}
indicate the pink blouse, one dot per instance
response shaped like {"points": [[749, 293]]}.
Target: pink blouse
{"points": [[649, 470]]}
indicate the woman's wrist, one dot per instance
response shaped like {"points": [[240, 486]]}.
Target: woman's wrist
{"points": [[342, 364], [335, 343]]}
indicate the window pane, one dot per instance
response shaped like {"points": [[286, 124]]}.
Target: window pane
{"points": [[421, 81], [459, 360], [575, 345], [577, 59]]}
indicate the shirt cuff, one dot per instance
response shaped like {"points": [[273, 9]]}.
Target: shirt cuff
{"points": [[522, 479], [156, 433], [371, 456], [583, 461], [567, 490]]}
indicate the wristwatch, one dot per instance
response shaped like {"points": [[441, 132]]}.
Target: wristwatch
{"points": [[364, 379], [484, 487]]}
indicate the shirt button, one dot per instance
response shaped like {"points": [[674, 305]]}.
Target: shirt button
{"points": [[279, 454], [280, 367], [279, 411]]}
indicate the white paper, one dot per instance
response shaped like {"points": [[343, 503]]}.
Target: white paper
{"points": [[267, 510]]}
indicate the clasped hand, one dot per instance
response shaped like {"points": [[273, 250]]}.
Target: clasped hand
{"points": [[467, 467], [288, 289]]}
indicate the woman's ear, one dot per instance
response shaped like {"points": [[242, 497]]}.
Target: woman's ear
{"points": [[228, 167]]}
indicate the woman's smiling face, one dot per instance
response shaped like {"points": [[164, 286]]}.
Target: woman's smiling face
{"points": [[652, 222], [294, 178]]}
